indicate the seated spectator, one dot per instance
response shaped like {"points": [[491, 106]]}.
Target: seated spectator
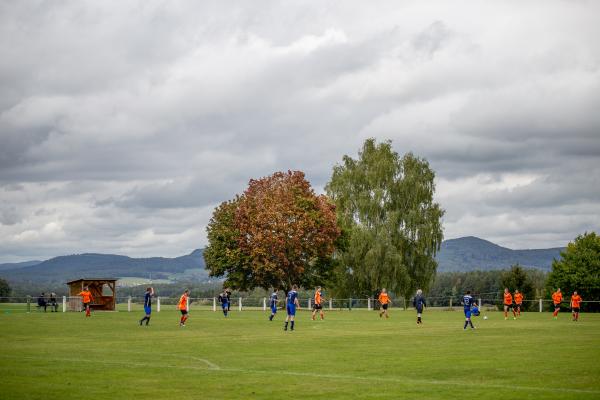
{"points": [[42, 301], [52, 302]]}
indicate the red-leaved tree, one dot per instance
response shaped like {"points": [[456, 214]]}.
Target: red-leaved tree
{"points": [[284, 231]]}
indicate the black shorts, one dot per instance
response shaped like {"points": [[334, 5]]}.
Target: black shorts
{"points": [[317, 306], [384, 306], [183, 312], [518, 305], [508, 305], [85, 305], [575, 309], [557, 306]]}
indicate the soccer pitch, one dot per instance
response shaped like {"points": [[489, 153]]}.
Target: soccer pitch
{"points": [[349, 355]]}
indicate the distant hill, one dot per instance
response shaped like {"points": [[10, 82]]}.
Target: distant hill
{"points": [[472, 253], [463, 254], [18, 265], [64, 268]]}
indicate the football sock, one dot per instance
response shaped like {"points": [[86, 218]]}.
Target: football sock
{"points": [[271, 317], [147, 320], [471, 323], [466, 323], [286, 325], [293, 325]]}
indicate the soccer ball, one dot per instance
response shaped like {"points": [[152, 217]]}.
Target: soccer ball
{"points": [[485, 317]]}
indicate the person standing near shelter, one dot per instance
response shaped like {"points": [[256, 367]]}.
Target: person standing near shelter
{"points": [[467, 301], [292, 303], [556, 299], [518, 303], [86, 298], [273, 300], [575, 304], [147, 305], [419, 304], [224, 300], [508, 303], [52, 302], [183, 307], [384, 301], [41, 301], [318, 305]]}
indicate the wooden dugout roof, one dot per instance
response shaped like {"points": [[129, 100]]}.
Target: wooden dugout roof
{"points": [[96, 286]]}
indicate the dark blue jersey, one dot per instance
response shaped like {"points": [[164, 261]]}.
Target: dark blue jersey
{"points": [[419, 302], [148, 299], [467, 301], [292, 296], [273, 299], [223, 298]]}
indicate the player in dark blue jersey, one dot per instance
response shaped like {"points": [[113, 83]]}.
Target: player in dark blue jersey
{"points": [[419, 304], [467, 301], [224, 300], [292, 303], [273, 304], [147, 305]]}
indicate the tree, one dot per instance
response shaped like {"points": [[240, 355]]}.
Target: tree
{"points": [[4, 288], [277, 233], [517, 279], [578, 268], [384, 205], [223, 255]]}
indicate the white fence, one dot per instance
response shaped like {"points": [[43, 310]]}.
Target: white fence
{"points": [[159, 303]]}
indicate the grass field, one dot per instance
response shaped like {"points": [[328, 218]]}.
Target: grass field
{"points": [[350, 355]]}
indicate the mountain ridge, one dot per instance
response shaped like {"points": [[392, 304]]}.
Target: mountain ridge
{"points": [[460, 254]]}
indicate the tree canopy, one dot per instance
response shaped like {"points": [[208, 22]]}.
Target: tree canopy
{"points": [[392, 226], [4, 288], [277, 233], [578, 268]]}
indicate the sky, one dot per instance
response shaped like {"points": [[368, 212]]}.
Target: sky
{"points": [[124, 123]]}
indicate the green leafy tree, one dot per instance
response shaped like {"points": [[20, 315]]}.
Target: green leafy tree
{"points": [[384, 205], [4, 289], [517, 279], [578, 268]]}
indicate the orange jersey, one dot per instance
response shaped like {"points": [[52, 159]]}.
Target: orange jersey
{"points": [[507, 298], [86, 296], [384, 298], [518, 298], [557, 297], [575, 301], [318, 297], [183, 300]]}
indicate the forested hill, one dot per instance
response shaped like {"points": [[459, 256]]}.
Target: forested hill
{"points": [[64, 268], [472, 253], [463, 254]]}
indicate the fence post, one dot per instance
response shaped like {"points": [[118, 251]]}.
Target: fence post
{"points": [[240, 303], [330, 304], [187, 303], [214, 304], [64, 303], [404, 300], [350, 304], [450, 303], [28, 304], [480, 305], [129, 304], [369, 304], [264, 304], [158, 304], [308, 303], [541, 305]]}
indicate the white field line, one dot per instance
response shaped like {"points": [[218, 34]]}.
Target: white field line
{"points": [[215, 368]]}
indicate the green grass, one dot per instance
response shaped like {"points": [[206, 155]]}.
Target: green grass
{"points": [[350, 355]]}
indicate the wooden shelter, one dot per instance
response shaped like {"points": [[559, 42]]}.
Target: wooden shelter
{"points": [[104, 300]]}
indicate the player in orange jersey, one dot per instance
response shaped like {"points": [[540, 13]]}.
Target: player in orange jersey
{"points": [[183, 307], [385, 301], [556, 299], [318, 305], [86, 298], [575, 303], [518, 302], [508, 303]]}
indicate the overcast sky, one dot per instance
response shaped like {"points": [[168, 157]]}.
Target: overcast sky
{"points": [[123, 124]]}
